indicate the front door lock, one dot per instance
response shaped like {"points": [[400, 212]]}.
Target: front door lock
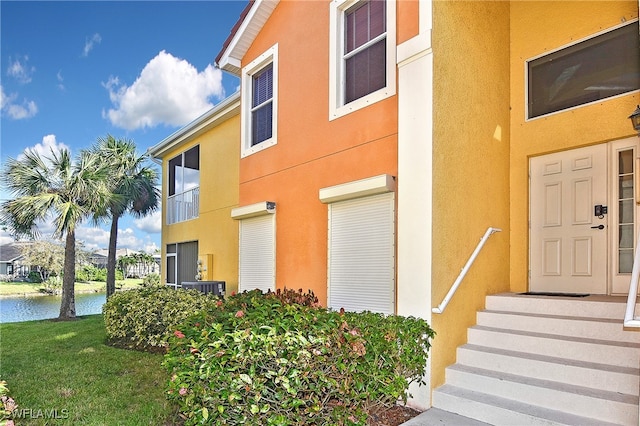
{"points": [[600, 211], [598, 227]]}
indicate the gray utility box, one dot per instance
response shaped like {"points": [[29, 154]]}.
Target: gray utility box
{"points": [[206, 287]]}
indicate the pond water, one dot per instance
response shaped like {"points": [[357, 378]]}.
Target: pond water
{"points": [[14, 309]]}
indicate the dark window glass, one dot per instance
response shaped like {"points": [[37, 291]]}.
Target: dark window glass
{"points": [[175, 169], [262, 106], [598, 68], [365, 57], [184, 171]]}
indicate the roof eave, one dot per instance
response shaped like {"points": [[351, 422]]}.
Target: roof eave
{"points": [[243, 34], [226, 109]]}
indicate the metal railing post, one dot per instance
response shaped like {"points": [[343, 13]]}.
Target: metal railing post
{"points": [[465, 269]]}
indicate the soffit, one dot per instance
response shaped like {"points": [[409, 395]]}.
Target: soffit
{"points": [[243, 34]]}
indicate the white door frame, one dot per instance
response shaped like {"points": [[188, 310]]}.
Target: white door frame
{"points": [[619, 282], [616, 282], [174, 284]]}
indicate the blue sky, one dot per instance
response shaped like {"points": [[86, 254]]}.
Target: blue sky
{"points": [[72, 72]]}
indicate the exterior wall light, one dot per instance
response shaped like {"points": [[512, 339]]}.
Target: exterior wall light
{"points": [[635, 119]]}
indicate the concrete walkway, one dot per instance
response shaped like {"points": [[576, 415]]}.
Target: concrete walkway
{"points": [[435, 416]]}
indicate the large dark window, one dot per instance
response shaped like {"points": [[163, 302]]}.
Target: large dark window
{"points": [[184, 171], [601, 67], [365, 49]]}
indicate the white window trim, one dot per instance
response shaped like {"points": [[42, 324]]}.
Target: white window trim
{"points": [[268, 57], [337, 107]]}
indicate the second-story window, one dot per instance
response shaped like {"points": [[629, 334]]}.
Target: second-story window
{"points": [[364, 56], [362, 68], [260, 106], [183, 197]]}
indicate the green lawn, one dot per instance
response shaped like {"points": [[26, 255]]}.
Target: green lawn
{"points": [[66, 367], [20, 288]]}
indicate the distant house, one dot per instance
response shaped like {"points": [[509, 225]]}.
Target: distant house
{"points": [[11, 262], [10, 256], [138, 269]]}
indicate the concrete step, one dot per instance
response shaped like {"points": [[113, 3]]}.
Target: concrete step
{"points": [[551, 395], [502, 411], [592, 306], [623, 380], [536, 360], [621, 354], [587, 327]]}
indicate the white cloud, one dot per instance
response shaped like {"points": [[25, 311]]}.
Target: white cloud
{"points": [[168, 91], [60, 80], [14, 110], [89, 44], [128, 239], [48, 143], [151, 224], [20, 70], [151, 247], [5, 237], [95, 238]]}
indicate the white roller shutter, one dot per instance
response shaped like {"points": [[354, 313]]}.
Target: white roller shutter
{"points": [[362, 254], [257, 253]]}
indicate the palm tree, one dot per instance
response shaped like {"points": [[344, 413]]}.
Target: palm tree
{"points": [[55, 187], [135, 190]]}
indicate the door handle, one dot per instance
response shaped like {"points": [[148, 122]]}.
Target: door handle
{"points": [[598, 227]]}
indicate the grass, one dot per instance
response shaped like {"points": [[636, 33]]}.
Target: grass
{"points": [[67, 367], [22, 288]]}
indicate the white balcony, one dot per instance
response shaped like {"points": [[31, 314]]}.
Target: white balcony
{"points": [[183, 206]]}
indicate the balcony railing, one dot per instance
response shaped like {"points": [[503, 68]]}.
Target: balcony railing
{"points": [[630, 318], [183, 206]]}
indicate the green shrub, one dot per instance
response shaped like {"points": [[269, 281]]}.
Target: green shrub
{"points": [[34, 277], [101, 275], [7, 404], [151, 280], [53, 285], [92, 273], [85, 273], [279, 359], [144, 318]]}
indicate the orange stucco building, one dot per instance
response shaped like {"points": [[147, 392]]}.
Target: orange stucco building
{"points": [[378, 141]]}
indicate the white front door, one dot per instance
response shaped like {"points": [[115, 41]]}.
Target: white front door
{"points": [[582, 219]]}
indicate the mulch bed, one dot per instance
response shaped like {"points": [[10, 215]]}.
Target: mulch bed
{"points": [[393, 416]]}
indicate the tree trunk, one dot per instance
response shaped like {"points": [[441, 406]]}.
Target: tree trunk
{"points": [[111, 256], [68, 305]]}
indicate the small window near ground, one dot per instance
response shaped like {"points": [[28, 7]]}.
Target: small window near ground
{"points": [[601, 67], [257, 253]]}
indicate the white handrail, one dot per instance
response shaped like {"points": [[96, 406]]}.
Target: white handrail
{"points": [[630, 320], [463, 273]]}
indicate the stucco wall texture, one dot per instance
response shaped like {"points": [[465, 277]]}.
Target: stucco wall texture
{"points": [[214, 229]]}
